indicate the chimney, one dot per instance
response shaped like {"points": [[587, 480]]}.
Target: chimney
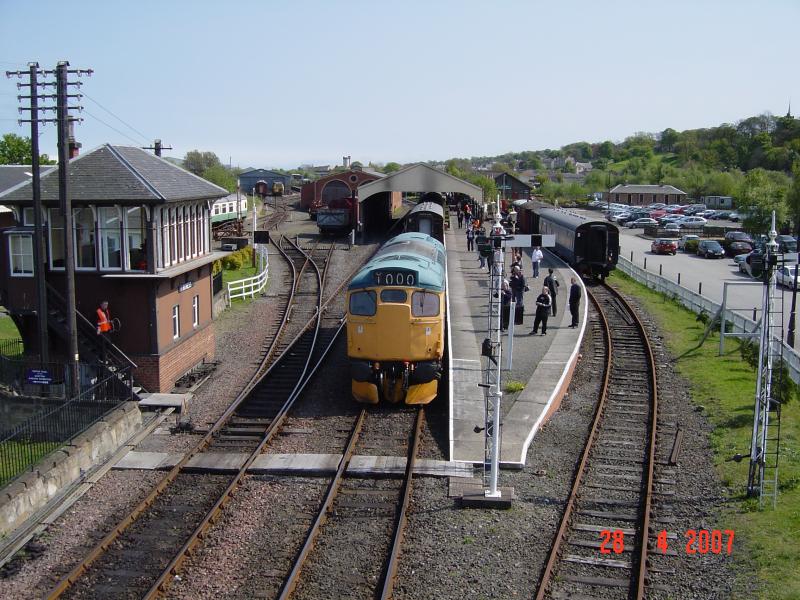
{"points": [[73, 146], [346, 162]]}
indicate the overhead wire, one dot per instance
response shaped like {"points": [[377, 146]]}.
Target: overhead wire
{"points": [[128, 125], [122, 133]]}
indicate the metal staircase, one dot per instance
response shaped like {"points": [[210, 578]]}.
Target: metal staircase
{"points": [[96, 350]]}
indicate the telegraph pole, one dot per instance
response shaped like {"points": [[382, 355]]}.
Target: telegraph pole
{"points": [[62, 110], [38, 235], [157, 147]]}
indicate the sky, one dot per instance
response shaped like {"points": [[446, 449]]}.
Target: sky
{"points": [[283, 83]]}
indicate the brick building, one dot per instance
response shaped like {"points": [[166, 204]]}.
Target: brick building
{"points": [[142, 241], [643, 195]]}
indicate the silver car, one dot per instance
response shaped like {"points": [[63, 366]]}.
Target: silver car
{"points": [[787, 276]]}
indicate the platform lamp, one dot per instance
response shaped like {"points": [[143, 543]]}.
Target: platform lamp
{"points": [[512, 218]]}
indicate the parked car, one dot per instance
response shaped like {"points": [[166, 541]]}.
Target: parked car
{"points": [[738, 236], [753, 263], [786, 243], [669, 219], [664, 246], [734, 216], [672, 227], [691, 222], [656, 205], [787, 276], [736, 248], [721, 214], [617, 217], [639, 223], [686, 238], [710, 249], [706, 214]]}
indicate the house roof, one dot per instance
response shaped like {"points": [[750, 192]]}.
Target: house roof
{"points": [[624, 188], [499, 177], [262, 172], [11, 175], [119, 174]]}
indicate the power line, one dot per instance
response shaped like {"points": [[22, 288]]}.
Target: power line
{"points": [[131, 127], [111, 127]]}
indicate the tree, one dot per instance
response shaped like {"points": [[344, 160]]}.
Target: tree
{"points": [[391, 167], [16, 150], [668, 138], [220, 176], [759, 197], [197, 162], [606, 150]]}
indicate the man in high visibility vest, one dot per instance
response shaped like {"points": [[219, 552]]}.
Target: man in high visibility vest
{"points": [[103, 318]]}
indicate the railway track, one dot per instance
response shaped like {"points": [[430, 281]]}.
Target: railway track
{"points": [[601, 547], [331, 558], [142, 552]]}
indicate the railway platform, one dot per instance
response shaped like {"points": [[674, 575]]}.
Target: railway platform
{"points": [[544, 364]]}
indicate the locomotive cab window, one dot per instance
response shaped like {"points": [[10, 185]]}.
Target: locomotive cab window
{"points": [[363, 304], [394, 296], [424, 304]]}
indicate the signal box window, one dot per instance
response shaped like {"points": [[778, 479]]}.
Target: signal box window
{"points": [[21, 255], [394, 296], [424, 304], [176, 322], [363, 304]]}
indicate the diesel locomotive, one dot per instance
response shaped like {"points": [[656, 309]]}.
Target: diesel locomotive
{"points": [[396, 322]]}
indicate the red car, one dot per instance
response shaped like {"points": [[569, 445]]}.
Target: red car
{"points": [[664, 246]]}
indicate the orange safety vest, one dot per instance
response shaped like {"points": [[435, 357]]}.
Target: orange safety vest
{"points": [[103, 320]]}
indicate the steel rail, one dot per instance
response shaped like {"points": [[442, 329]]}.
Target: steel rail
{"points": [[101, 547], [647, 485], [400, 523], [161, 584], [293, 578]]}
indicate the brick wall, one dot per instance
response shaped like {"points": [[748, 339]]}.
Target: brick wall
{"points": [[158, 373]]}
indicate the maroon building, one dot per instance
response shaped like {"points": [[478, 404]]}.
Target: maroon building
{"points": [[321, 192], [142, 239]]}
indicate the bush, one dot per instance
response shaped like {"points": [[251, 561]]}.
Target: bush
{"points": [[691, 246], [216, 267], [514, 386], [232, 262]]}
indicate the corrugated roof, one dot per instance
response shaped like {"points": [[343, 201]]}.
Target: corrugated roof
{"points": [[121, 174]]}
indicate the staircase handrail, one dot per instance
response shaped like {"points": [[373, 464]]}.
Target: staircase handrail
{"points": [[86, 322]]}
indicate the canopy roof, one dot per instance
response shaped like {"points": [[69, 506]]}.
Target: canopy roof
{"points": [[420, 178]]}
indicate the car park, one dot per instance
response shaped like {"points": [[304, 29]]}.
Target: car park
{"points": [[643, 222], [619, 217], [690, 222], [710, 249], [706, 214], [656, 206], [738, 236], [786, 276], [672, 228], [664, 246], [686, 238]]}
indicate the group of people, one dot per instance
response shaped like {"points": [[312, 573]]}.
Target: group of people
{"points": [[514, 287]]}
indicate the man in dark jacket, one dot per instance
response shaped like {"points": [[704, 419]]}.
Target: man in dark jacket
{"points": [[542, 311], [574, 300], [517, 283], [552, 283]]}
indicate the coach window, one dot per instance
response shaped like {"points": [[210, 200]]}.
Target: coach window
{"points": [[393, 296], [363, 304], [424, 304]]}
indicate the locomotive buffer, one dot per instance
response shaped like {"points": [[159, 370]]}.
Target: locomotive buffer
{"points": [[491, 349]]}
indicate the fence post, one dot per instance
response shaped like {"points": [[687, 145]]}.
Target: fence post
{"points": [[631, 255], [700, 288], [645, 263], [661, 269], [679, 278], [754, 313]]}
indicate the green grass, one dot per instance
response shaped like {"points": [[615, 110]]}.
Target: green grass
{"points": [[8, 331], [14, 453], [243, 273], [513, 386], [725, 387]]}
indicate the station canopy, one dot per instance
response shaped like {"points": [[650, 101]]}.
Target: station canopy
{"points": [[420, 178]]}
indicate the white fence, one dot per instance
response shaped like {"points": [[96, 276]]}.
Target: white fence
{"points": [[697, 303], [250, 286]]}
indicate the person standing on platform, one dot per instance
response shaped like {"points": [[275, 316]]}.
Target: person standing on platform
{"points": [[470, 238], [460, 219], [517, 283], [536, 256], [552, 283], [542, 311], [574, 301]]}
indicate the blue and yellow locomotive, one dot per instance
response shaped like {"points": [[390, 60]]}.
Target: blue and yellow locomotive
{"points": [[396, 322]]}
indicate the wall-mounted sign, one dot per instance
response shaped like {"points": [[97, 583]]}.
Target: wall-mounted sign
{"points": [[39, 377], [186, 286]]}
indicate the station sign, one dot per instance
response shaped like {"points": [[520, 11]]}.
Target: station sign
{"points": [[261, 237], [185, 286], [39, 377]]}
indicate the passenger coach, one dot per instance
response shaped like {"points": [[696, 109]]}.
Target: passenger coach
{"points": [[590, 247], [396, 322], [428, 218]]}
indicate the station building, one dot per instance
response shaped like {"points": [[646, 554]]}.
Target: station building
{"points": [[511, 187], [345, 184], [642, 195], [142, 240]]}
